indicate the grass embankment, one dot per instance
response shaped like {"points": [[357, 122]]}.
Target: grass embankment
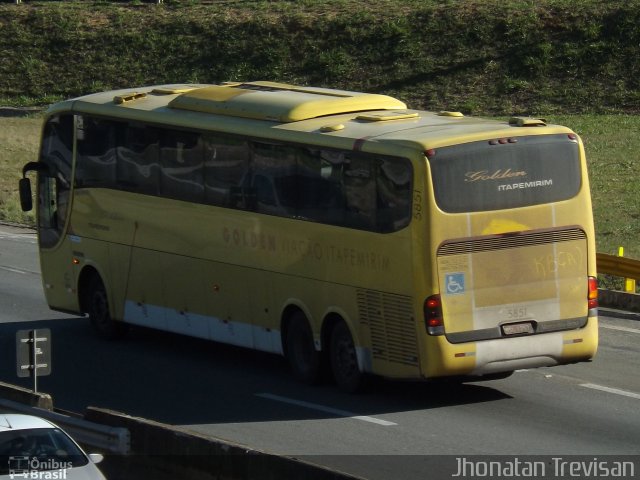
{"points": [[19, 142], [476, 56]]}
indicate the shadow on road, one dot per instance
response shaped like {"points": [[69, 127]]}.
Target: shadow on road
{"points": [[181, 380]]}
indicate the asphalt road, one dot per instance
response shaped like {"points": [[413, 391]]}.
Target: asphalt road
{"points": [[392, 431]]}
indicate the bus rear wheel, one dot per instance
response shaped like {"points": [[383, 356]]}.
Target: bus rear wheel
{"points": [[344, 360], [303, 358], [97, 304]]}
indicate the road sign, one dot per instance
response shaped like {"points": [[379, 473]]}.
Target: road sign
{"points": [[33, 352]]}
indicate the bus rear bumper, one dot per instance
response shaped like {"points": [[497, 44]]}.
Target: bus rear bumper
{"points": [[534, 351], [508, 354]]}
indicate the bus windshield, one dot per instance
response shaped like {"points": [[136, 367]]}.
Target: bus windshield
{"points": [[506, 173]]}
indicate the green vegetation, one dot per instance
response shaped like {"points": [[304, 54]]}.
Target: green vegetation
{"points": [[19, 140], [612, 144], [477, 56]]}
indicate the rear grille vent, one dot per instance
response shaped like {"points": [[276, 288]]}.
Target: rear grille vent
{"points": [[391, 323], [504, 242]]}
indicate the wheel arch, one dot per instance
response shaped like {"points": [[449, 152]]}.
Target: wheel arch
{"points": [[288, 311], [331, 319], [88, 273]]}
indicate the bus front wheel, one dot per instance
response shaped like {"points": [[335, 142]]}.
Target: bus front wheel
{"points": [[99, 314], [301, 352], [344, 360]]}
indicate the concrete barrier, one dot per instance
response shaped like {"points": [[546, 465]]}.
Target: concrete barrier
{"points": [[164, 451], [26, 396], [619, 300]]}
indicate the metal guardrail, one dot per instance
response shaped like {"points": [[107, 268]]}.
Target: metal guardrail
{"points": [[103, 437], [618, 266]]}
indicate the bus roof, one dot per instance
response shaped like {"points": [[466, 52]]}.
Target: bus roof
{"points": [[289, 112]]}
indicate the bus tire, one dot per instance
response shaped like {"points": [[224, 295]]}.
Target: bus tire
{"points": [[344, 360], [303, 358], [97, 304]]}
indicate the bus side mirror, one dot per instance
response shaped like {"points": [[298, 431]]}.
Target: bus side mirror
{"points": [[24, 185], [26, 202]]}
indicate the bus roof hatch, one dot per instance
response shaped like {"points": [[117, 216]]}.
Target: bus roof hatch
{"points": [[280, 102]]}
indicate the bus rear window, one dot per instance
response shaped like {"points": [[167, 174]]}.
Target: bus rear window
{"points": [[517, 172]]}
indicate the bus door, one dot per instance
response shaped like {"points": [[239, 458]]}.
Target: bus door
{"points": [[53, 207]]}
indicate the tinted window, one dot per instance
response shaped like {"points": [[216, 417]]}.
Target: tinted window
{"points": [[97, 152], [321, 197], [359, 184], [480, 176], [274, 179], [343, 188], [226, 166], [337, 187], [57, 144], [393, 189], [138, 160], [182, 159]]}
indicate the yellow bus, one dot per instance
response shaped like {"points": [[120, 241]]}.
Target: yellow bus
{"points": [[339, 229]]}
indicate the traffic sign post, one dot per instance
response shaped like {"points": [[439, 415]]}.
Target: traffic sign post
{"points": [[33, 352]]}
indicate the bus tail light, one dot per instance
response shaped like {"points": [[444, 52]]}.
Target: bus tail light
{"points": [[433, 315], [593, 293]]}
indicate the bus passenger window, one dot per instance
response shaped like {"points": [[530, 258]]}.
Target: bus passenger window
{"points": [[360, 193], [182, 158], [273, 179], [226, 165], [393, 194], [139, 159], [96, 153], [320, 176]]}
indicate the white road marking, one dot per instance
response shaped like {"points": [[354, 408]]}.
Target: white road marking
{"points": [[28, 237], [622, 329], [14, 270], [615, 391], [322, 408]]}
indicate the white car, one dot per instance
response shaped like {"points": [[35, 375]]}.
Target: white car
{"points": [[34, 448]]}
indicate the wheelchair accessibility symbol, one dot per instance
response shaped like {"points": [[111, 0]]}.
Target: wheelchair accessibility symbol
{"points": [[454, 283]]}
